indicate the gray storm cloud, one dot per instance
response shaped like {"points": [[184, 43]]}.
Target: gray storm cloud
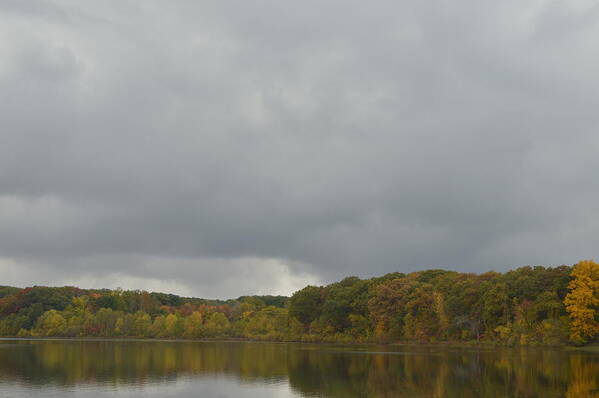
{"points": [[176, 145]]}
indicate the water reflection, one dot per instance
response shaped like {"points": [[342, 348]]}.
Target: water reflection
{"points": [[232, 369]]}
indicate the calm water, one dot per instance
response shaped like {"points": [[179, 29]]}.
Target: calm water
{"points": [[55, 368]]}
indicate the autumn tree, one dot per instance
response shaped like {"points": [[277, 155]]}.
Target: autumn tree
{"points": [[388, 306], [582, 302], [217, 324], [173, 325], [51, 323], [269, 323], [192, 326]]}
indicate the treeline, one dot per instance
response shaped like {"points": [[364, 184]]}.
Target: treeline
{"points": [[526, 306]]}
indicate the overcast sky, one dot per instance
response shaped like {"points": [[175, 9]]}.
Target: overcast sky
{"points": [[220, 148]]}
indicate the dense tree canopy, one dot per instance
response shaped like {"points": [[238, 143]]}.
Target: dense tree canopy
{"points": [[529, 305]]}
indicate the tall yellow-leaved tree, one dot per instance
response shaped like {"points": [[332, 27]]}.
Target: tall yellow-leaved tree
{"points": [[582, 302]]}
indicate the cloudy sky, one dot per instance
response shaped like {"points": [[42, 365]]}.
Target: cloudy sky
{"points": [[220, 148]]}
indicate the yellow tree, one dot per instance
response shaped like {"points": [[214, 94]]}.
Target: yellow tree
{"points": [[192, 326], [582, 302], [51, 323], [172, 325]]}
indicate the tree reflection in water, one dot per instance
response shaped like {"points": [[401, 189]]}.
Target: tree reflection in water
{"points": [[310, 370]]}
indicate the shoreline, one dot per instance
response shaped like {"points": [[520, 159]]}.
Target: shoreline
{"points": [[593, 347]]}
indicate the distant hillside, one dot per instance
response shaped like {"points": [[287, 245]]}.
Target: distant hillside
{"points": [[8, 290]]}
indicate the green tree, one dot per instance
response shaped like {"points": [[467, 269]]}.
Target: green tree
{"points": [[306, 305]]}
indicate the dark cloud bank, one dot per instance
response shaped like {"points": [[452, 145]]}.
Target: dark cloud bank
{"points": [[231, 147]]}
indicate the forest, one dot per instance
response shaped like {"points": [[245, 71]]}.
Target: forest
{"points": [[526, 306]]}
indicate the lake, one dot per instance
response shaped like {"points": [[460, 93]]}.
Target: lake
{"points": [[141, 368]]}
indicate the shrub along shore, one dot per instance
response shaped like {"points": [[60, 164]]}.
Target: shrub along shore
{"points": [[526, 306]]}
